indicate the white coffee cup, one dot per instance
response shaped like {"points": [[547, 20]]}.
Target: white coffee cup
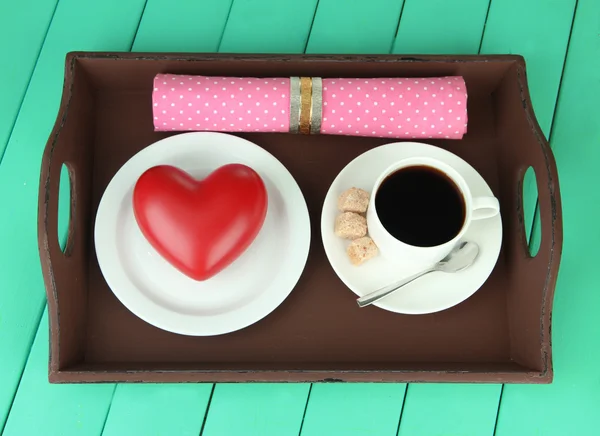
{"points": [[476, 208]]}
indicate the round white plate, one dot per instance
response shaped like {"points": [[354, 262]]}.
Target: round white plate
{"points": [[243, 293], [431, 293]]}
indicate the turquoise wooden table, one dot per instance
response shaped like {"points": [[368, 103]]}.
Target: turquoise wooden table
{"points": [[560, 40]]}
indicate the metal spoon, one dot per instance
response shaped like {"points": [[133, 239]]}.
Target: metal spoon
{"points": [[461, 257]]}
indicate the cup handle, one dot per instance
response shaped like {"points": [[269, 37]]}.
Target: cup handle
{"points": [[485, 207]]}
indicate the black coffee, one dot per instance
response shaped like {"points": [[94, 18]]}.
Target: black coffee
{"points": [[420, 206]]}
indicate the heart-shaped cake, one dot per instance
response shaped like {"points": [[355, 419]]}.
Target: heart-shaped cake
{"points": [[200, 226]]}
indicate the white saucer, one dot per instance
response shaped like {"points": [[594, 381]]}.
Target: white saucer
{"points": [[436, 291], [242, 294]]}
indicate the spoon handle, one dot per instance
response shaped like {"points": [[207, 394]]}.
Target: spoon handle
{"points": [[377, 295]]}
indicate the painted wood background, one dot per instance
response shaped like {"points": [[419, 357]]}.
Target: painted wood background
{"points": [[560, 40]]}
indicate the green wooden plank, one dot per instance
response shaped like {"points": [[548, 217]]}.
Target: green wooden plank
{"points": [[268, 26], [570, 405], [182, 26], [441, 26], [61, 410], [539, 25], [262, 26], [169, 409], [23, 27], [449, 31], [440, 410], [353, 410], [356, 27], [538, 30], [256, 409], [437, 409], [22, 31], [155, 409], [107, 25]]}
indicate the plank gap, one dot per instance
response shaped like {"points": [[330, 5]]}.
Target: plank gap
{"points": [[487, 14], [312, 23], [112, 397], [391, 50], [402, 409], [137, 29], [498, 410], [210, 397], [305, 408], [225, 25]]}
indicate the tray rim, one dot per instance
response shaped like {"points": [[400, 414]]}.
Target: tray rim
{"points": [[296, 376], [58, 375]]}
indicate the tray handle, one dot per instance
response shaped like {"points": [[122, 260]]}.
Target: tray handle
{"points": [[50, 211], [54, 260], [532, 279], [546, 175], [57, 153], [549, 204], [66, 272]]}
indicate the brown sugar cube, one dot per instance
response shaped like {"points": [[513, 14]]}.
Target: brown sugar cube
{"points": [[349, 225], [362, 249], [354, 200]]}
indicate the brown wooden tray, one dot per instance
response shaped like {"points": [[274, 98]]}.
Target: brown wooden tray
{"points": [[500, 334]]}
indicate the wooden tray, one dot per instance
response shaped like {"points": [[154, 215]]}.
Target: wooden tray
{"points": [[500, 334]]}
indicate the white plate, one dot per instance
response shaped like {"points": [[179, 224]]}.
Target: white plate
{"points": [[246, 291], [436, 291]]}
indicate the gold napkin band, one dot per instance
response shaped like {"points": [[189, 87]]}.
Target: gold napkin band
{"points": [[306, 99]]}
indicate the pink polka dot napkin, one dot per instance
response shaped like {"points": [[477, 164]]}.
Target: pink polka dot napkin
{"points": [[433, 107]]}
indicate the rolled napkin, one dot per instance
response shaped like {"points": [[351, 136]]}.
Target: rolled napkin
{"points": [[426, 107]]}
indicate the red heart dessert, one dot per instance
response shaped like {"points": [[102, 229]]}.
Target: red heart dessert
{"points": [[200, 226]]}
